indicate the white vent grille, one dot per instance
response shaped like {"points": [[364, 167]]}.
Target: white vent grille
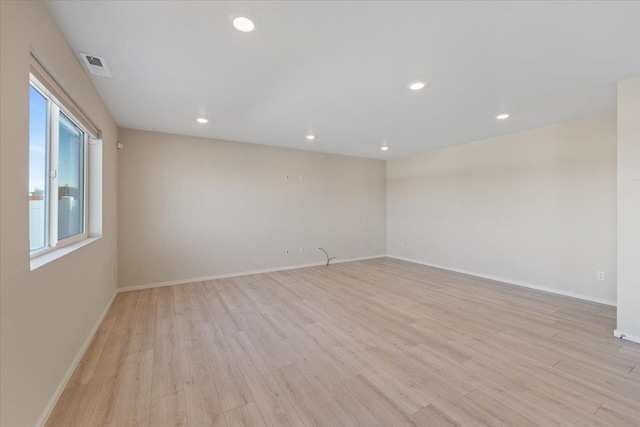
{"points": [[96, 65]]}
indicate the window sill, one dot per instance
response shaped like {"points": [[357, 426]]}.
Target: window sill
{"points": [[58, 253]]}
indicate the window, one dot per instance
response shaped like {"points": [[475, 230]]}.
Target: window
{"points": [[58, 149]]}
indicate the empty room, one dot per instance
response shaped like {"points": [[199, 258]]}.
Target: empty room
{"points": [[319, 213]]}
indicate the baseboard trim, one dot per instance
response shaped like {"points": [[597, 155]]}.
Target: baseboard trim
{"points": [[633, 338], [511, 282], [242, 273], [67, 377]]}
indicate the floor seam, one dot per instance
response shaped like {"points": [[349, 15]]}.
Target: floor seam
{"points": [[598, 408]]}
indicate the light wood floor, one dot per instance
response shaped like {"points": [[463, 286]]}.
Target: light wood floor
{"points": [[371, 343]]}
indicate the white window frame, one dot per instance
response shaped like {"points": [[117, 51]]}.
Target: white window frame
{"points": [[54, 108]]}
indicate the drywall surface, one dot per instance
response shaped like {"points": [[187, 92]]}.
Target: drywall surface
{"points": [[46, 314], [192, 207], [629, 208], [535, 207]]}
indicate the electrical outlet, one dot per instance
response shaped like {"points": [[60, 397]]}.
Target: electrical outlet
{"points": [[286, 251], [600, 275], [301, 250]]}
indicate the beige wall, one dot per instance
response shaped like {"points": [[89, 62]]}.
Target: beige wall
{"points": [[535, 207], [629, 208], [191, 207], [46, 314]]}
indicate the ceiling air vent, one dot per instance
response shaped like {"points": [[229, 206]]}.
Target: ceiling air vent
{"points": [[96, 65]]}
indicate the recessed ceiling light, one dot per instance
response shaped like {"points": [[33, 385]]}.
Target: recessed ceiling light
{"points": [[502, 116], [384, 148], [311, 137], [202, 120], [417, 85], [243, 22]]}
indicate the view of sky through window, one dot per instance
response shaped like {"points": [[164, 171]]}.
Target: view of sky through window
{"points": [[37, 140], [37, 169]]}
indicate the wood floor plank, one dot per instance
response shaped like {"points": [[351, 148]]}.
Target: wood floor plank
{"points": [[432, 416], [169, 411], [274, 406], [96, 402], [83, 373], [145, 329], [322, 366], [245, 416], [232, 387], [402, 390], [227, 377], [128, 313], [371, 343], [133, 401], [189, 332], [360, 393], [311, 406], [493, 412], [116, 305], [220, 311], [201, 396], [167, 366], [114, 355], [100, 339], [68, 408]]}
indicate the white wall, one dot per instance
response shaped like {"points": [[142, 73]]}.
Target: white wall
{"points": [[629, 208], [537, 207], [192, 207], [46, 314]]}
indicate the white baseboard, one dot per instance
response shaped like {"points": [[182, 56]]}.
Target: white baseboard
{"points": [[626, 337], [67, 377], [242, 273], [511, 282]]}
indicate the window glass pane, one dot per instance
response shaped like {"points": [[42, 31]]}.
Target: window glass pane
{"points": [[37, 169], [70, 179]]}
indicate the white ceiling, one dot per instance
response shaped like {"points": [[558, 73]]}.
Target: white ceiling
{"points": [[340, 69]]}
